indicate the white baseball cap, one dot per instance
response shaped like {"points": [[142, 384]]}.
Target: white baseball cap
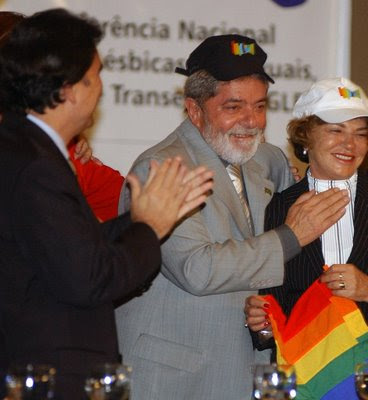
{"points": [[333, 100]]}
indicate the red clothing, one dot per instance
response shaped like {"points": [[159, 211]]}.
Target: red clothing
{"points": [[100, 184]]}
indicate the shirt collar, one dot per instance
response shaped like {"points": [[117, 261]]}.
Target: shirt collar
{"points": [[51, 133], [324, 184]]}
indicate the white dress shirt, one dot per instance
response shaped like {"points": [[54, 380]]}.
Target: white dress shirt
{"points": [[337, 241]]}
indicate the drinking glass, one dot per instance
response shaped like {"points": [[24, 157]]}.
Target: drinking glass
{"points": [[274, 382], [30, 382], [361, 380], [108, 382]]}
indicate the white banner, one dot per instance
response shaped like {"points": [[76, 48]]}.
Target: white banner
{"points": [[144, 41]]}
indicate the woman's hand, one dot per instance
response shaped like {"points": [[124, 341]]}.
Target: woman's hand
{"points": [[255, 314], [346, 280]]}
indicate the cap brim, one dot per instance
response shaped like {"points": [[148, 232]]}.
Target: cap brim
{"points": [[181, 71], [268, 77], [337, 116], [228, 74]]}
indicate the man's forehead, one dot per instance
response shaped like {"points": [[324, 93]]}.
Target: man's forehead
{"points": [[246, 80], [244, 87]]}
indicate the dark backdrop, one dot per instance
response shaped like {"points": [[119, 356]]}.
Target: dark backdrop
{"points": [[359, 43], [359, 46]]}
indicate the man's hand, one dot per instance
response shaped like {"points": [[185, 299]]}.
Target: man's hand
{"points": [[83, 151], [346, 280], [312, 214], [169, 193]]}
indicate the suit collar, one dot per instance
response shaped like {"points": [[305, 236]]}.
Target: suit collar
{"points": [[259, 193], [32, 133], [51, 133], [360, 245], [313, 251]]}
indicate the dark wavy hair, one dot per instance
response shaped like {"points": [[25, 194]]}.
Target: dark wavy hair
{"points": [[43, 53], [8, 20]]}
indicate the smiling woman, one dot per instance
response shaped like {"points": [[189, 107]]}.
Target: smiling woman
{"points": [[330, 128], [335, 151], [330, 131]]}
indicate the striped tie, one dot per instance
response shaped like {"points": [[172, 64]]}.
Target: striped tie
{"points": [[236, 178]]}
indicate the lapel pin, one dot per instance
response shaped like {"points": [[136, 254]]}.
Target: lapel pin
{"points": [[268, 191]]}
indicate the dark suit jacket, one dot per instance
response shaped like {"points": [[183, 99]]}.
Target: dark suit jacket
{"points": [[60, 269], [305, 268]]}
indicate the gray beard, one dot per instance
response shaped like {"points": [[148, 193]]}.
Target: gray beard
{"points": [[221, 145]]}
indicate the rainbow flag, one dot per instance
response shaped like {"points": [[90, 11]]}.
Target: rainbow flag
{"points": [[347, 94], [324, 338], [238, 48]]}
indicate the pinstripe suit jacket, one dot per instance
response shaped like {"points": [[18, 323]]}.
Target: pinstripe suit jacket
{"points": [[305, 268]]}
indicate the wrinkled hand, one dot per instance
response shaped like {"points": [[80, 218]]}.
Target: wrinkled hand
{"points": [[255, 314], [83, 151], [170, 192], [313, 213], [346, 280]]}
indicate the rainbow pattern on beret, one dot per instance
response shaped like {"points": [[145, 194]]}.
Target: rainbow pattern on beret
{"points": [[347, 94], [324, 338], [239, 49]]}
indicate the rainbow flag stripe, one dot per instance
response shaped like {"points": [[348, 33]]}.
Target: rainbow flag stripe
{"points": [[238, 48], [324, 338], [347, 94]]}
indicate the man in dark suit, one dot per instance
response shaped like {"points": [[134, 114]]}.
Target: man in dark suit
{"points": [[60, 269]]}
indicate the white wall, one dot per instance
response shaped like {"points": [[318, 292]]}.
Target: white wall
{"points": [[145, 39]]}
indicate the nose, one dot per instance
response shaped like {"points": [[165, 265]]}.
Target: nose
{"points": [[349, 141], [249, 119]]}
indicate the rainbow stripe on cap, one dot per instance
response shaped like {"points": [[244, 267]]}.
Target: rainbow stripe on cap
{"points": [[239, 49], [347, 94]]}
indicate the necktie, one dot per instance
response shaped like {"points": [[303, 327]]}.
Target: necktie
{"points": [[236, 178]]}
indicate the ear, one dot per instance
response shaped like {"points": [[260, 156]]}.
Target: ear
{"points": [[68, 93], [195, 113]]}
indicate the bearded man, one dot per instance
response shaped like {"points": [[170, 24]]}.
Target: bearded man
{"points": [[185, 337]]}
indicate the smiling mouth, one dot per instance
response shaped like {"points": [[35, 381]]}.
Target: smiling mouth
{"points": [[344, 157], [243, 136]]}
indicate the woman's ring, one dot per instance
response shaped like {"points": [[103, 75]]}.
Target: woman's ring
{"points": [[341, 276], [341, 285]]}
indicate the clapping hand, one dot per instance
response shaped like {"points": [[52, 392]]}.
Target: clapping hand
{"points": [[170, 192]]}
